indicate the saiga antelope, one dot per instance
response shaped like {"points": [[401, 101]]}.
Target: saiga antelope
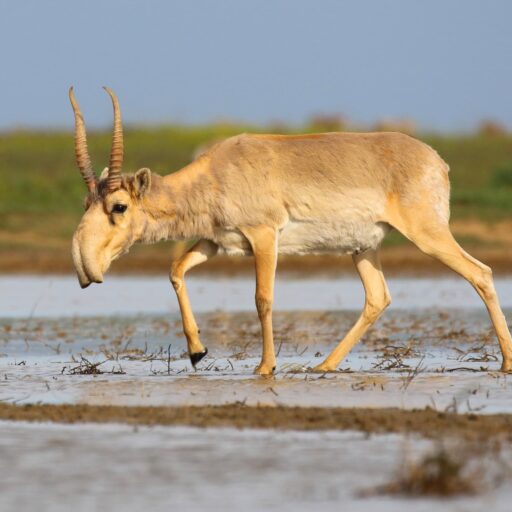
{"points": [[278, 194]]}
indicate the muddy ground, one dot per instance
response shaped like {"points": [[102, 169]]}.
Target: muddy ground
{"points": [[427, 422]]}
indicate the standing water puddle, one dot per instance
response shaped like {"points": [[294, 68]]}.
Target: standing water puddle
{"points": [[113, 344]]}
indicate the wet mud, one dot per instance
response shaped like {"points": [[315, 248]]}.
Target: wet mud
{"points": [[427, 423]]}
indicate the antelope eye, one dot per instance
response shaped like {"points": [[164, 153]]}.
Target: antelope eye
{"points": [[119, 208]]}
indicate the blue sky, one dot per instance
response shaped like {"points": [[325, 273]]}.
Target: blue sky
{"points": [[446, 64]]}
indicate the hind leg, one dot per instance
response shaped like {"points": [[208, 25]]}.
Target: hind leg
{"points": [[437, 241], [377, 299]]}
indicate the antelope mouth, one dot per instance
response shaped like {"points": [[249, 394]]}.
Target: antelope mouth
{"points": [[85, 280], [85, 284], [90, 277]]}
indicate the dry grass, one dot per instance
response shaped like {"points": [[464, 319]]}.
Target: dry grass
{"points": [[449, 470], [86, 367], [441, 473]]}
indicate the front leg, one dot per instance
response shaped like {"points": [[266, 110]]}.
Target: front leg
{"points": [[198, 254], [263, 240]]}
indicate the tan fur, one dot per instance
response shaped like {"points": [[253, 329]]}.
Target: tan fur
{"points": [[270, 194]]}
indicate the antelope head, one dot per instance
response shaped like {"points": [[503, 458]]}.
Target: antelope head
{"points": [[114, 218]]}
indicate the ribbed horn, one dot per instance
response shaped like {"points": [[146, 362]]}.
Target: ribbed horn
{"points": [[116, 154], [83, 159]]}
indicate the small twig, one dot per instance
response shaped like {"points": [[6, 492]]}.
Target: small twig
{"points": [[412, 374], [466, 369]]}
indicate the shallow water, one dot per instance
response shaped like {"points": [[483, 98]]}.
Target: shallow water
{"points": [[58, 296], [411, 358], [114, 467], [417, 355]]}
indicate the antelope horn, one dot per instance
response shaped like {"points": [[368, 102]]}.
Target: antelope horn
{"points": [[83, 159], [116, 154]]}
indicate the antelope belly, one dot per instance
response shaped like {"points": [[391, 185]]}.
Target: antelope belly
{"points": [[312, 237]]}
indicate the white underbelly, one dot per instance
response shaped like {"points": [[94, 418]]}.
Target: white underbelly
{"points": [[312, 237], [338, 237]]}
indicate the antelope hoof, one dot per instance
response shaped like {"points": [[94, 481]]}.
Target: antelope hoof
{"points": [[506, 366], [197, 356], [264, 370], [323, 368]]}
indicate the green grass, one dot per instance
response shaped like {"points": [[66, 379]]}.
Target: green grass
{"points": [[480, 174], [41, 191]]}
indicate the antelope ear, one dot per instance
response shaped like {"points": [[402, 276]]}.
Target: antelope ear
{"points": [[104, 174], [142, 182]]}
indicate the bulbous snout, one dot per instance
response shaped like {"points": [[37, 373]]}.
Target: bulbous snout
{"points": [[87, 266], [100, 239]]}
